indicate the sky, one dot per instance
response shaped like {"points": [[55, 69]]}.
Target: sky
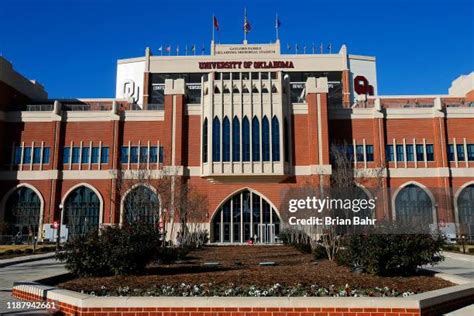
{"points": [[71, 46]]}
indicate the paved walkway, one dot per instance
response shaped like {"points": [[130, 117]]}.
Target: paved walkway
{"points": [[28, 271], [456, 264]]}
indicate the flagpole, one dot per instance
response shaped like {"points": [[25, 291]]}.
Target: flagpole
{"points": [[245, 22], [276, 28], [213, 28]]}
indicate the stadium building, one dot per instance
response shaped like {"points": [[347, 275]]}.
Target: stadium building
{"points": [[242, 125]]}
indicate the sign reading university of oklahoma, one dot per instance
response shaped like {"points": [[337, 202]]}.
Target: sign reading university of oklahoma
{"points": [[245, 64]]}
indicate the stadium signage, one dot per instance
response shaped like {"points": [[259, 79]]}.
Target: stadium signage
{"points": [[245, 64]]}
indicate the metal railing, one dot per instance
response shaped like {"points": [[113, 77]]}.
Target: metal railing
{"points": [[39, 107]]}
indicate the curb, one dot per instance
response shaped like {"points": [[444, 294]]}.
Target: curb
{"points": [[24, 259]]}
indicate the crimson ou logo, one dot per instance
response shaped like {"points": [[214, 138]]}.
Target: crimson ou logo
{"points": [[362, 86]]}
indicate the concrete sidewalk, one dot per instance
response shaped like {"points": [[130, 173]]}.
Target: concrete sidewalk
{"points": [[23, 259], [455, 264]]}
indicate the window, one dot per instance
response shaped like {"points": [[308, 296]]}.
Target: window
{"points": [[226, 139], [235, 139], [134, 154], [460, 151], [95, 154], [161, 153], [226, 75], [104, 158], [245, 75], [470, 152], [75, 154], [153, 154], [143, 154], [37, 155], [27, 155], [389, 152], [245, 139], [265, 139], [350, 152], [204, 141], [46, 154], [420, 153], [400, 154], [85, 154], [264, 75], [255, 139], [451, 152], [216, 141], [235, 75], [273, 75], [429, 152], [124, 154], [66, 154], [17, 156], [81, 211], [275, 139], [369, 152], [410, 153], [254, 75], [360, 153]]}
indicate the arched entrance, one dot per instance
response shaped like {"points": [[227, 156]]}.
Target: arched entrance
{"points": [[413, 205], [465, 210], [81, 211], [22, 215], [243, 216], [141, 204]]}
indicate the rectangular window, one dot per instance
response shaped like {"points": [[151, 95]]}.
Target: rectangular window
{"points": [[451, 152], [350, 152], [46, 155], [134, 154], [143, 154], [273, 75], [400, 154], [37, 155], [104, 155], [162, 154], [17, 158], [75, 154], [360, 153], [369, 152], [85, 155], [389, 152], [66, 154], [410, 153], [470, 152], [95, 155], [420, 154], [460, 151], [153, 154], [27, 155], [429, 152], [124, 154]]}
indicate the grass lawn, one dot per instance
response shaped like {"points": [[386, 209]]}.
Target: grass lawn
{"points": [[240, 274], [11, 251]]}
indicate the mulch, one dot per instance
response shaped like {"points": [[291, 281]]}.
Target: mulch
{"points": [[239, 265]]}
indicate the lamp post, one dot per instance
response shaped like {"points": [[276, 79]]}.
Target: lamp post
{"points": [[58, 228]]}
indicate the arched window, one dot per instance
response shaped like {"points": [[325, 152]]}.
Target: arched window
{"points": [[216, 140], [81, 211], [275, 139], [204, 140], [265, 139], [226, 89], [141, 204], [22, 214], [255, 139], [245, 139], [413, 206], [254, 89], [216, 90], [235, 139], [245, 215], [226, 139], [235, 89], [466, 211]]}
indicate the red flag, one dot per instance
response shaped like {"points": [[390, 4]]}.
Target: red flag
{"points": [[216, 24], [168, 48]]}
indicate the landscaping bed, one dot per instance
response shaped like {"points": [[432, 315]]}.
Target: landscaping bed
{"points": [[236, 271], [13, 251]]}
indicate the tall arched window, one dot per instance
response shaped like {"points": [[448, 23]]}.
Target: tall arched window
{"points": [[245, 139], [141, 204], [226, 139], [216, 140], [22, 214], [204, 140], [275, 139], [81, 211], [255, 139], [413, 206], [245, 215], [265, 139], [466, 211], [235, 139]]}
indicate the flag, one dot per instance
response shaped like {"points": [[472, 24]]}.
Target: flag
{"points": [[160, 49], [247, 26], [277, 23], [177, 50], [203, 50], [168, 49], [304, 49], [296, 48], [193, 49], [216, 23], [329, 48]]}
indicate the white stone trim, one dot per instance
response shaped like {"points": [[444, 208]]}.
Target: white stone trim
{"points": [[418, 172]]}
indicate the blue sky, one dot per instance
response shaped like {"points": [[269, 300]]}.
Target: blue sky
{"points": [[71, 46]]}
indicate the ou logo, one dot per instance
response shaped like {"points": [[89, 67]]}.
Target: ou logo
{"points": [[362, 86], [131, 90]]}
